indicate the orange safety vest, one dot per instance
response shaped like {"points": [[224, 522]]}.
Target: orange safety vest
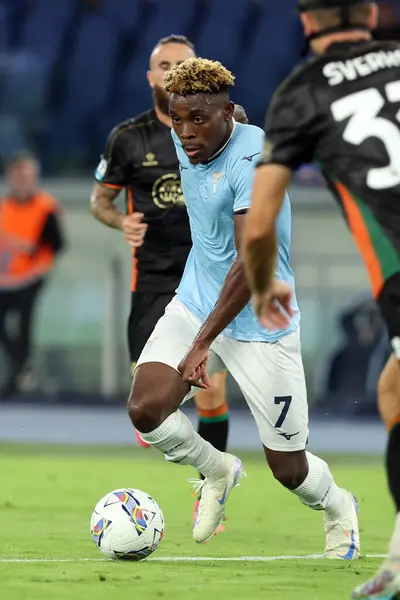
{"points": [[23, 259]]}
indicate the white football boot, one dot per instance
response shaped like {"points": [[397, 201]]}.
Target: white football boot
{"points": [[342, 536], [214, 495]]}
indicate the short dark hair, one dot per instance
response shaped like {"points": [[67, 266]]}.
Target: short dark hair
{"points": [[358, 14], [176, 39]]}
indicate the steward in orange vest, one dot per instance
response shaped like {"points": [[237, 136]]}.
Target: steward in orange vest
{"points": [[30, 238], [25, 253]]}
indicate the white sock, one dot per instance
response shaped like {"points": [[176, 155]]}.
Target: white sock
{"points": [[179, 442], [319, 490], [394, 546]]}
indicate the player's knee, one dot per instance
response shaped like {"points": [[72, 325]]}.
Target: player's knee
{"points": [[388, 380], [157, 391], [384, 391], [290, 468], [143, 410], [388, 392]]}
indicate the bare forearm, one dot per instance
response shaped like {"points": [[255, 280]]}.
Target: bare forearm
{"points": [[234, 296], [104, 211], [260, 258], [260, 247]]}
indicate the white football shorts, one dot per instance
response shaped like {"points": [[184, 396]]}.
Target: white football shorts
{"points": [[270, 375]]}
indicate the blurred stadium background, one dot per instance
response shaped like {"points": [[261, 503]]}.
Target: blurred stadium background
{"points": [[69, 71]]}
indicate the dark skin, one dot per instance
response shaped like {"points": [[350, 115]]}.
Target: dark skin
{"points": [[203, 124], [240, 115], [102, 199]]}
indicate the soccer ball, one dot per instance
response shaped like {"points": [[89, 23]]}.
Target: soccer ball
{"points": [[127, 524]]}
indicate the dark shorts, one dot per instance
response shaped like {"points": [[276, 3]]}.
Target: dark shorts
{"points": [[389, 303], [146, 310]]}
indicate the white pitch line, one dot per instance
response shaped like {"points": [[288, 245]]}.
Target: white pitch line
{"points": [[181, 559]]}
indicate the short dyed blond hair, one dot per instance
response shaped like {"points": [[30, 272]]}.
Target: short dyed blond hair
{"points": [[198, 75]]}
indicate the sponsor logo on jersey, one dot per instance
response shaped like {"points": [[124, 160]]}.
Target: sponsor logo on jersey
{"points": [[150, 160], [250, 158], [101, 170], [167, 191]]}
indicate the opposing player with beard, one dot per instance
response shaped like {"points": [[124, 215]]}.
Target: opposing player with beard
{"points": [[140, 158]]}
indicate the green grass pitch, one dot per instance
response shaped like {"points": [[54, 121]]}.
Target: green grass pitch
{"points": [[47, 495]]}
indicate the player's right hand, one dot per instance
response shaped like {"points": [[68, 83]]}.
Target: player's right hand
{"points": [[193, 366], [134, 229], [273, 308]]}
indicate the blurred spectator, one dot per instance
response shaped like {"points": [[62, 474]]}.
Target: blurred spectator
{"points": [[30, 238], [354, 368]]}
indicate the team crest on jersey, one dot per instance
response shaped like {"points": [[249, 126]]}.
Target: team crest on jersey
{"points": [[150, 160], [167, 191], [101, 170], [216, 179]]}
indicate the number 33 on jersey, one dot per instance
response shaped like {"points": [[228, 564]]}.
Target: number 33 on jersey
{"points": [[364, 109], [342, 111]]}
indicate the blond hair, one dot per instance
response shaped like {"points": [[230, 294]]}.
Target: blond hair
{"points": [[198, 75]]}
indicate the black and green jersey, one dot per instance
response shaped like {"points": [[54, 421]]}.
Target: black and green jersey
{"points": [[341, 110]]}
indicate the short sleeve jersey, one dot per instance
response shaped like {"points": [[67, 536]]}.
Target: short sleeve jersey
{"points": [[140, 157], [215, 192], [341, 111]]}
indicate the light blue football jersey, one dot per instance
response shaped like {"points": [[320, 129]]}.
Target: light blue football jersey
{"points": [[213, 193]]}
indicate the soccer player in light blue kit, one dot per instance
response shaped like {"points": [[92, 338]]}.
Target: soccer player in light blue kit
{"points": [[210, 324]]}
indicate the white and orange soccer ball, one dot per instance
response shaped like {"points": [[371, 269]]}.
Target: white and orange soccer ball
{"points": [[127, 524]]}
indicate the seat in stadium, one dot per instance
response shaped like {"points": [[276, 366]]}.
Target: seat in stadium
{"points": [[271, 59], [219, 37], [170, 17], [88, 80], [44, 28], [90, 67], [121, 14]]}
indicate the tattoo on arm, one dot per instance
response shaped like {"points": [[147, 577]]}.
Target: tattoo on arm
{"points": [[102, 206]]}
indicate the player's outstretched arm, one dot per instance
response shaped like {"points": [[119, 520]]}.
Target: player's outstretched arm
{"points": [[259, 240], [234, 296], [271, 298]]}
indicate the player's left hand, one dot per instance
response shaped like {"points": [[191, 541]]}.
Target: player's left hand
{"points": [[273, 308], [193, 367]]}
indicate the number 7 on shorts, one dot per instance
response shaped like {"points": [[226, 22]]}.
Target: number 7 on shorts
{"points": [[286, 401]]}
